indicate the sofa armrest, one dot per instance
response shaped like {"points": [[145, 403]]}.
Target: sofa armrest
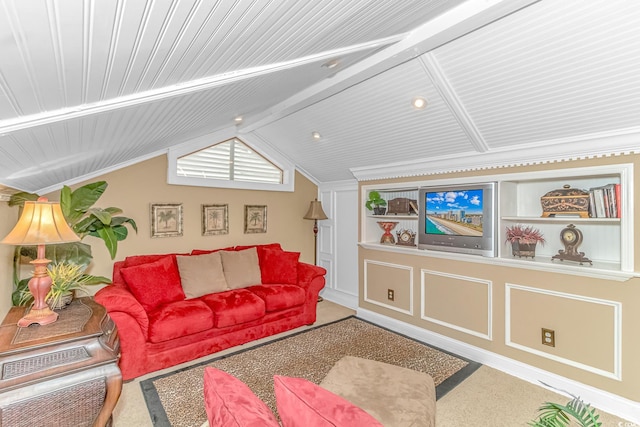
{"points": [[308, 272], [117, 299]]}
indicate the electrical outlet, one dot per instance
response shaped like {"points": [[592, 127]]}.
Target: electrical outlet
{"points": [[549, 337], [390, 294]]}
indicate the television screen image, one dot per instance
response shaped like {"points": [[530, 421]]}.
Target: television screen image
{"points": [[458, 213], [458, 218]]}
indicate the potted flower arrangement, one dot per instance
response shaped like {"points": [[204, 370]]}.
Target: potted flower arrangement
{"points": [[66, 279], [376, 203], [523, 240]]}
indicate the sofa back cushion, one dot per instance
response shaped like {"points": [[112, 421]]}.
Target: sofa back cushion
{"points": [[201, 274], [241, 268], [208, 251], [154, 283], [230, 403], [278, 266]]}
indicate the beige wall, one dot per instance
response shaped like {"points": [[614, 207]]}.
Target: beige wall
{"points": [[135, 188], [8, 218], [581, 310]]}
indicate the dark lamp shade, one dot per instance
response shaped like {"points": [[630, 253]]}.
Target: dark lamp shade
{"points": [[41, 223], [315, 211]]}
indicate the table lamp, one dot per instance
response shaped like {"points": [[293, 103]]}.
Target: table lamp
{"points": [[41, 223]]}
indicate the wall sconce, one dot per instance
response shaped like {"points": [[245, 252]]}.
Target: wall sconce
{"points": [[41, 223]]}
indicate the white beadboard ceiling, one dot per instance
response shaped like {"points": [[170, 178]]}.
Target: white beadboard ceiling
{"points": [[88, 86]]}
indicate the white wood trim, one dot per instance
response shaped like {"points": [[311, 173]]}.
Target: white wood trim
{"points": [[432, 68], [255, 143], [605, 144], [340, 298], [409, 284], [603, 400], [616, 374], [489, 335]]}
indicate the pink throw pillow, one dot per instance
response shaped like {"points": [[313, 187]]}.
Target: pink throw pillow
{"points": [[303, 403], [155, 283], [230, 403], [279, 267]]}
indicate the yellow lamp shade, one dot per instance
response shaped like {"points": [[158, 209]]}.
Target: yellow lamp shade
{"points": [[41, 222]]}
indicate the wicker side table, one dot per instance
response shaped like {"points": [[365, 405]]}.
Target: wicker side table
{"points": [[62, 374]]}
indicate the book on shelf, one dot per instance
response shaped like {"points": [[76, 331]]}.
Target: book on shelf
{"points": [[604, 201]]}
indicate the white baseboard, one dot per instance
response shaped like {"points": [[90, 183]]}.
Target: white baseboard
{"points": [[349, 301], [603, 400]]}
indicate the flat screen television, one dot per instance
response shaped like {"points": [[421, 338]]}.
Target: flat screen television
{"points": [[458, 218]]}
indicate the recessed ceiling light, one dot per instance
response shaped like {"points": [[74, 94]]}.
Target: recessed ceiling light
{"points": [[333, 63], [419, 103], [238, 119], [316, 135]]}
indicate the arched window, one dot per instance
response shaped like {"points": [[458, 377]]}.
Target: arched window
{"points": [[229, 164]]}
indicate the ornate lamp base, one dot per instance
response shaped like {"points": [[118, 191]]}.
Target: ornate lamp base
{"points": [[43, 316]]}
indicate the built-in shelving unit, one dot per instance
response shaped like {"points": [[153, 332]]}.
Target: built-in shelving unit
{"points": [[608, 242]]}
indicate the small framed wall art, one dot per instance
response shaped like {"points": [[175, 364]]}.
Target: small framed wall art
{"points": [[255, 219], [166, 219], [215, 220]]}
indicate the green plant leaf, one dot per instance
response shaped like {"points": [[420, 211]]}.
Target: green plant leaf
{"points": [[95, 280], [82, 228], [557, 415], [83, 198], [121, 232], [102, 214], [110, 240], [65, 205], [18, 199], [122, 220], [76, 252], [113, 211], [21, 295]]}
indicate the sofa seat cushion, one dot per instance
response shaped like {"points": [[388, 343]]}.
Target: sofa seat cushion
{"points": [[234, 307], [279, 297], [178, 319]]}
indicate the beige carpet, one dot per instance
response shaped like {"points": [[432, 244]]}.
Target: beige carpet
{"points": [[492, 398], [176, 398]]}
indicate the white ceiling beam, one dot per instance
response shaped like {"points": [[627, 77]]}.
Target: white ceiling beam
{"points": [[183, 88], [452, 24], [432, 68]]}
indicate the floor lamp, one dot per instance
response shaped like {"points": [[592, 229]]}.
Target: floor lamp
{"points": [[41, 223], [315, 213]]}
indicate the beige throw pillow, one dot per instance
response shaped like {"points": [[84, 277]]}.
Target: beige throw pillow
{"points": [[241, 268], [201, 274]]}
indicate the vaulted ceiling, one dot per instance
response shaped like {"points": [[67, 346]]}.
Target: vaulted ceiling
{"points": [[89, 86]]}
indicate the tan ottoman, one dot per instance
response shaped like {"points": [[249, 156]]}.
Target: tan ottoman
{"points": [[393, 395]]}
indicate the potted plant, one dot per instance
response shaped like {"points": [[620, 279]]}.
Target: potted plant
{"points": [[557, 415], [66, 279], [86, 220], [376, 203], [523, 240]]}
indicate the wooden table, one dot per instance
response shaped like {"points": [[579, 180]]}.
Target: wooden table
{"points": [[63, 374]]}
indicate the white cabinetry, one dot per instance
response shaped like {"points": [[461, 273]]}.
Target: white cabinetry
{"points": [[608, 242], [372, 231]]}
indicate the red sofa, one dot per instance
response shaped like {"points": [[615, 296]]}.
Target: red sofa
{"points": [[160, 325]]}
